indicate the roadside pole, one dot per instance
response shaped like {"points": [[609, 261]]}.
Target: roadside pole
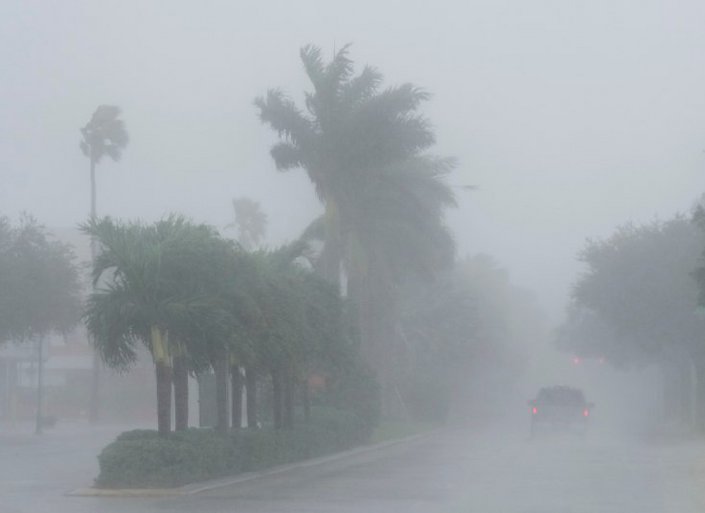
{"points": [[40, 384]]}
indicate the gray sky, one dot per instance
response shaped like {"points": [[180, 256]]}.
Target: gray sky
{"points": [[571, 116]]}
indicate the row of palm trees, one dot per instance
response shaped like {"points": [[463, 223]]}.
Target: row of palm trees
{"points": [[198, 301], [365, 149]]}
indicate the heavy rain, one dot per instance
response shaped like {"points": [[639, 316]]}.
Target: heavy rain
{"points": [[374, 256]]}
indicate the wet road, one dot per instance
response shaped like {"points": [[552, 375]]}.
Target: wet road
{"points": [[449, 471]]}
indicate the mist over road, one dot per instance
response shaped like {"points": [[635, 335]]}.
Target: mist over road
{"points": [[451, 470]]}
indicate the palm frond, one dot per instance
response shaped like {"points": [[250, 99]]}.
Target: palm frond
{"points": [[115, 323], [361, 88], [284, 117], [287, 156], [104, 134]]}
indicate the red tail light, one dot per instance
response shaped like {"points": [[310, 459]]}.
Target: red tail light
{"points": [[534, 410], [586, 412]]}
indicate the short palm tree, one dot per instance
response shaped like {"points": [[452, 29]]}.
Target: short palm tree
{"points": [[153, 293]]}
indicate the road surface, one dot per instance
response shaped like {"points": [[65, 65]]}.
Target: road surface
{"points": [[454, 470]]}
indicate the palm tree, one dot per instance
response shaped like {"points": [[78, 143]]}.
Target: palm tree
{"points": [[154, 293], [350, 131], [250, 221], [104, 135], [296, 324], [384, 197]]}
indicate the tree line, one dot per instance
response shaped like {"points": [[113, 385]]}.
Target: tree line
{"points": [[640, 302]]}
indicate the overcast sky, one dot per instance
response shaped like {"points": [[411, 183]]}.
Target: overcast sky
{"points": [[570, 116]]}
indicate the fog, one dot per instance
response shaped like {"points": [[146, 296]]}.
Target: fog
{"points": [[568, 120]]}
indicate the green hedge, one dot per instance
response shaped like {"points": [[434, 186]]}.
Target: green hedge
{"points": [[142, 459]]}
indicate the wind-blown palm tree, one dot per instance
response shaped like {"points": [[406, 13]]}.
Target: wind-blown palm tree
{"points": [[104, 135], [364, 149], [250, 221], [154, 293], [349, 132]]}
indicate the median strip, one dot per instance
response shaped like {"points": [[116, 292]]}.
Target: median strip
{"points": [[204, 486]]}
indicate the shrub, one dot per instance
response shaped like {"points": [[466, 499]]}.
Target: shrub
{"points": [[356, 390], [143, 459], [140, 459]]}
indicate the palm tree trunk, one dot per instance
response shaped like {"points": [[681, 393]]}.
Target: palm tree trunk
{"points": [[236, 396], [94, 406], [686, 391], [39, 426], [251, 384], [163, 372], [162, 361], [331, 255], [221, 392], [289, 392], [277, 398], [306, 399], [700, 393], [180, 393]]}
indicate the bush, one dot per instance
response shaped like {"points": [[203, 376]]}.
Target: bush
{"points": [[143, 459], [356, 390]]}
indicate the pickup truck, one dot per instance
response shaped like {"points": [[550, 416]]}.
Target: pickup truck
{"points": [[560, 408]]}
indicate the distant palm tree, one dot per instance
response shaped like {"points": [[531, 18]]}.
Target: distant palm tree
{"points": [[250, 221], [103, 135]]}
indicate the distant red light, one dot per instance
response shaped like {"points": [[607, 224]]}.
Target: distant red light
{"points": [[535, 410], [586, 412], [576, 360]]}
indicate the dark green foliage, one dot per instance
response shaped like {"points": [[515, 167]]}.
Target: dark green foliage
{"points": [[365, 149], [39, 285], [330, 430], [355, 389], [639, 293], [143, 459], [104, 134]]}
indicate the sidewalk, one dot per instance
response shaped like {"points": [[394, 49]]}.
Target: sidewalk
{"points": [[39, 467]]}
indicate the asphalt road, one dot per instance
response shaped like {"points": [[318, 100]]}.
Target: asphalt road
{"points": [[454, 470]]}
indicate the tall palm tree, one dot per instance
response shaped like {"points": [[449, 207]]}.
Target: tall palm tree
{"points": [[104, 135], [364, 149], [349, 132]]}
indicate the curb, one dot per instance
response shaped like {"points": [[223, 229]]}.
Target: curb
{"points": [[204, 486]]}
